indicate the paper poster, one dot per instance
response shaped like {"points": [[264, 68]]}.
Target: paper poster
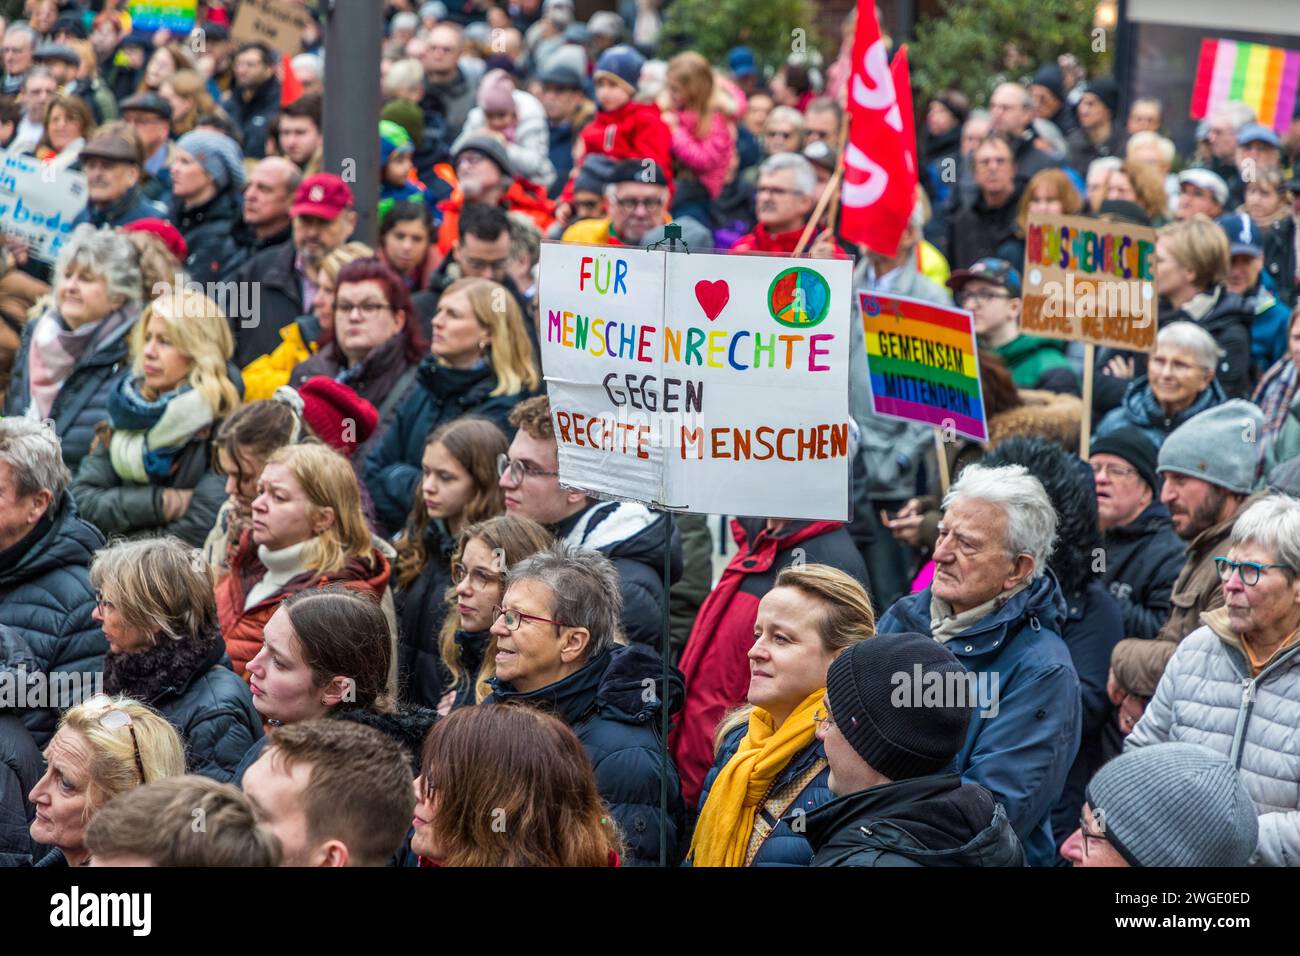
{"points": [[707, 383], [923, 363], [38, 203], [1090, 281]]}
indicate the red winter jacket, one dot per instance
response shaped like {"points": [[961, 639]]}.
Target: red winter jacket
{"points": [[715, 662], [633, 131], [760, 240]]}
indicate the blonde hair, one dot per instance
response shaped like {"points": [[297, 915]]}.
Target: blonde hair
{"points": [[113, 751], [692, 73], [498, 312], [328, 481], [341, 256], [847, 617], [161, 586], [1199, 246], [189, 85], [198, 328]]}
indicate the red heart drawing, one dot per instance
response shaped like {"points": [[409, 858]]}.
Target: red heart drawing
{"points": [[712, 296]]}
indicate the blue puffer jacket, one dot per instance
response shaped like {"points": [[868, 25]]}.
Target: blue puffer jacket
{"points": [[783, 847], [1140, 409], [1024, 750], [605, 704], [45, 595]]}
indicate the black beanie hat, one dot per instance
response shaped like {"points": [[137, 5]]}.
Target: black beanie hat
{"points": [[877, 705], [1049, 76], [1134, 447], [1107, 90]]}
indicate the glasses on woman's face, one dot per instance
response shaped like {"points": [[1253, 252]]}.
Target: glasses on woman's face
{"points": [[368, 310], [514, 618], [1248, 571], [478, 578], [112, 717], [103, 603]]}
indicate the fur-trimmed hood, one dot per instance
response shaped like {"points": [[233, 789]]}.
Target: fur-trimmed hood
{"points": [[1055, 416]]}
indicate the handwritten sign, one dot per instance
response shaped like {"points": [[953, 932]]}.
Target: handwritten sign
{"points": [[923, 363], [278, 24], [1091, 281], [708, 383], [149, 16], [38, 203]]}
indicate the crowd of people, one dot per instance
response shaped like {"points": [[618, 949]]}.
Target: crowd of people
{"points": [[283, 541]]}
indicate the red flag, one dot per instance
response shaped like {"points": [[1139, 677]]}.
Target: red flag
{"points": [[902, 75], [879, 189], [290, 85]]}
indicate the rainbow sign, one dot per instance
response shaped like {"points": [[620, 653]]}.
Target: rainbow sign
{"points": [[923, 364], [1265, 78]]}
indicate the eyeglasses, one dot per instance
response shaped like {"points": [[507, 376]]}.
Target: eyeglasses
{"points": [[631, 205], [981, 296], [367, 309], [114, 718], [514, 618], [478, 577], [102, 602], [485, 265], [1115, 471], [519, 471], [1249, 571], [1088, 834], [773, 190], [822, 719]]}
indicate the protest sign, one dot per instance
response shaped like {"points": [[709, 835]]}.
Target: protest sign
{"points": [[923, 364], [1090, 281], [38, 203], [278, 24], [1265, 78], [708, 383], [149, 16]]}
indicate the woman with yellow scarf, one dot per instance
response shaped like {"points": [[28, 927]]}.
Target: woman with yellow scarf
{"points": [[770, 768]]}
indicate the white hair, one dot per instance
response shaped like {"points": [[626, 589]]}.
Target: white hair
{"points": [[1237, 113], [1273, 523], [1101, 167], [785, 114], [106, 253], [406, 20], [404, 75], [805, 177], [32, 450], [1031, 519], [307, 64], [1190, 337], [1142, 138]]}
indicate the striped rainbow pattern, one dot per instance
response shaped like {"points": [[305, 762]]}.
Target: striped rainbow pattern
{"points": [[924, 321], [1265, 78]]}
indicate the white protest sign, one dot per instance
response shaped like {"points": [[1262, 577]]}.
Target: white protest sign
{"points": [[38, 203], [708, 383]]}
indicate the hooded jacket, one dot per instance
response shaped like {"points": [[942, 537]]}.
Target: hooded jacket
{"points": [[209, 230], [1143, 559], [1140, 409], [715, 663], [47, 599], [439, 395], [925, 821], [1023, 752], [605, 704], [191, 684], [21, 765], [1210, 696]]}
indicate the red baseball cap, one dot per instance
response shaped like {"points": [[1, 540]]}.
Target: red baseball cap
{"points": [[323, 195]]}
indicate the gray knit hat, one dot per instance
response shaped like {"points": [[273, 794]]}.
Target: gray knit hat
{"points": [[1175, 804], [1220, 445], [218, 154]]}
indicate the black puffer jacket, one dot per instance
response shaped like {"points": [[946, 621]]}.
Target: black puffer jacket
{"points": [[191, 684], [421, 609], [45, 596], [925, 821], [605, 704], [21, 765], [82, 402], [209, 231], [1143, 560]]}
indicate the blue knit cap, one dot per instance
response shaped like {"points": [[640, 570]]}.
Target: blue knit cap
{"points": [[622, 62], [218, 154]]}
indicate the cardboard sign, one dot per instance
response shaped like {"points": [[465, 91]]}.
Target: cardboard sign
{"points": [[923, 363], [1090, 281], [278, 24], [149, 16], [708, 383], [38, 203]]}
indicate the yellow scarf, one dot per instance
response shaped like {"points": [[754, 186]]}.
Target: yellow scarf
{"points": [[727, 817]]}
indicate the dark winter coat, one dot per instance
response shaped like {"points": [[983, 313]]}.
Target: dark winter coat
{"points": [[191, 684], [472, 647], [1140, 409], [440, 394], [1083, 150], [785, 845], [1023, 753], [604, 702], [133, 206], [82, 402], [279, 301], [1279, 259], [976, 230], [46, 597], [1143, 560], [450, 101], [925, 821], [252, 116], [209, 232], [633, 538], [21, 765], [421, 609], [715, 663]]}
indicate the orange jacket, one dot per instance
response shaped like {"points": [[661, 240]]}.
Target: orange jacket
{"points": [[522, 196]]}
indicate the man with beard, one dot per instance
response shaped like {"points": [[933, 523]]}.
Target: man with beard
{"points": [[1208, 470]]}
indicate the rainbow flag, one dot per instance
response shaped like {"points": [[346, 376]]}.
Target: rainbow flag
{"points": [[1265, 78], [923, 364]]}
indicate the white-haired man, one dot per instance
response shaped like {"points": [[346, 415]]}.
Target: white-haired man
{"points": [[787, 189], [994, 604]]}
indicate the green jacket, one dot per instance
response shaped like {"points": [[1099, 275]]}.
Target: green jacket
{"points": [[1038, 363]]}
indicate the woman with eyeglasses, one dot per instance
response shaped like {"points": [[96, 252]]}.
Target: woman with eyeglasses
{"points": [[458, 487], [769, 762], [155, 604], [103, 747], [481, 363], [1233, 684], [375, 343]]}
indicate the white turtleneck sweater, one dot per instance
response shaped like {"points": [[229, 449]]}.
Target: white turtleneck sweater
{"points": [[282, 566]]}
